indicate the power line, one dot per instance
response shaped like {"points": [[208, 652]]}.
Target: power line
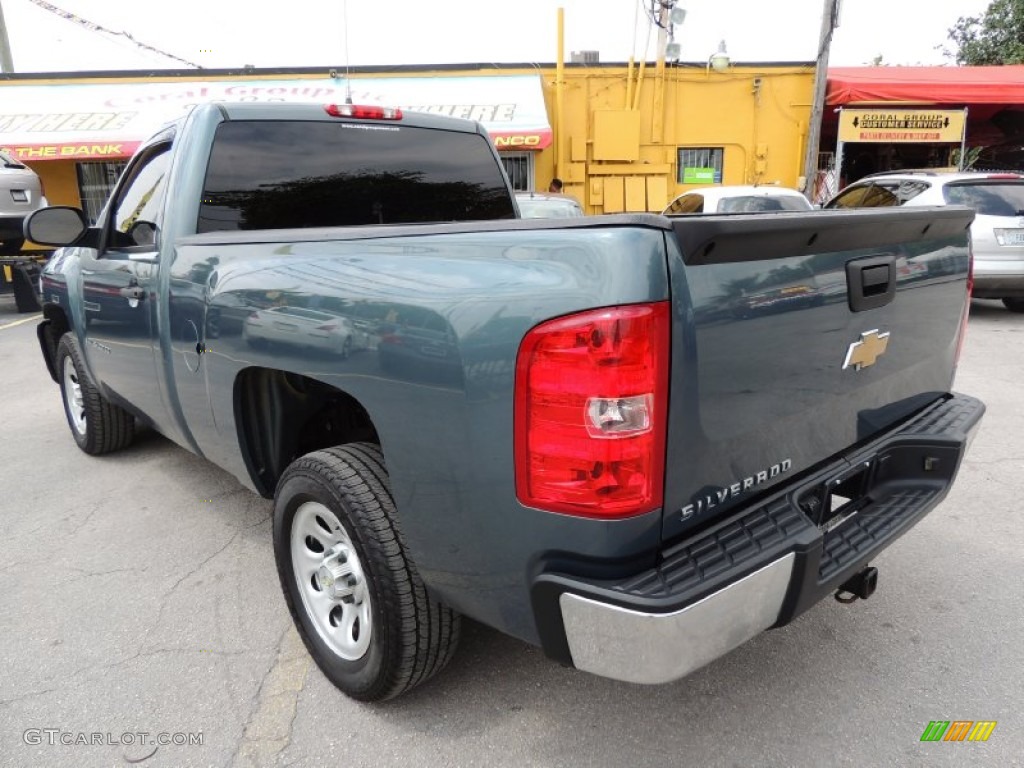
{"points": [[93, 27]]}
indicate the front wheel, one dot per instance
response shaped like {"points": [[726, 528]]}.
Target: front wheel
{"points": [[97, 425], [356, 597], [1014, 305]]}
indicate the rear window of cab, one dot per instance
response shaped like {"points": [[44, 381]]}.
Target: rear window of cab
{"points": [[298, 174]]}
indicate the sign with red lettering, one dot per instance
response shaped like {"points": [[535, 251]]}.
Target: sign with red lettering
{"points": [[914, 126], [109, 120], [74, 151], [535, 140]]}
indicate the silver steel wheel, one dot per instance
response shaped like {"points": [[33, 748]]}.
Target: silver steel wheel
{"points": [[73, 399], [331, 581]]}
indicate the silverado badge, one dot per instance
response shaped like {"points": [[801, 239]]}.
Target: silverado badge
{"points": [[865, 352]]}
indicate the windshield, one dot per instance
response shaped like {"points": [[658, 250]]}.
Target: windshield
{"points": [[991, 198]]}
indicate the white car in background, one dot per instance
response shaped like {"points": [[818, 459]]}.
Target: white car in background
{"points": [[547, 205], [739, 199], [997, 234], [302, 328], [21, 193]]}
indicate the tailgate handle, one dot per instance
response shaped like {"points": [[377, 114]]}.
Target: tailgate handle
{"points": [[871, 282]]}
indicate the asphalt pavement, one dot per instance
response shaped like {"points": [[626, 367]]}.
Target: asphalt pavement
{"points": [[141, 622]]}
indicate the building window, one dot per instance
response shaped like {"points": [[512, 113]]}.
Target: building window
{"points": [[519, 167], [95, 183], [700, 165]]}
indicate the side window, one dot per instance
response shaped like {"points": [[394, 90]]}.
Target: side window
{"points": [[133, 221], [693, 203], [866, 196], [908, 190]]}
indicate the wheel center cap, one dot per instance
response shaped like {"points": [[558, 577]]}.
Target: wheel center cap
{"points": [[326, 578], [336, 579]]}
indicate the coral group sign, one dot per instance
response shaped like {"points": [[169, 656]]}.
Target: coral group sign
{"points": [[911, 126]]}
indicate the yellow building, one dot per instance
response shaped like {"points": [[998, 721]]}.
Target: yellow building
{"points": [[631, 139], [622, 138]]}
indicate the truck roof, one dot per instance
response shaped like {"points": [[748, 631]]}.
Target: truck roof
{"points": [[238, 110]]}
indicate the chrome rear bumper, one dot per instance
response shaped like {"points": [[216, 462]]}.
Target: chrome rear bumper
{"points": [[658, 648], [759, 567]]}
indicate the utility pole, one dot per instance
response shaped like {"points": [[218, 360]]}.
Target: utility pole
{"points": [[658, 107], [829, 21], [665, 7], [6, 62]]}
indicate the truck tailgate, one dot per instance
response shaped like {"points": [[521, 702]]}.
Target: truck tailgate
{"points": [[797, 336]]}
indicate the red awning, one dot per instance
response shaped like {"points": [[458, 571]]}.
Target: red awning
{"points": [[926, 85]]}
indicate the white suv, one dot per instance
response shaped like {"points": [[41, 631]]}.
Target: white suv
{"points": [[997, 234], [20, 194]]}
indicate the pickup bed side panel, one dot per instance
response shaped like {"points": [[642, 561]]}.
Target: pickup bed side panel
{"points": [[435, 322]]}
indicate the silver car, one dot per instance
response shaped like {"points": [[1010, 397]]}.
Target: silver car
{"points": [[20, 194], [997, 234]]}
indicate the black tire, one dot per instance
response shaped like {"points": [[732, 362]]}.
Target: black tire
{"points": [[100, 426], [1014, 305], [411, 635]]}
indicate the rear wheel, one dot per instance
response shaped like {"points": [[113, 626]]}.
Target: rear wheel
{"points": [[97, 425], [356, 597], [1014, 305]]}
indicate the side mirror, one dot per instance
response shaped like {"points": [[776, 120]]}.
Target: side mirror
{"points": [[59, 225], [143, 233]]}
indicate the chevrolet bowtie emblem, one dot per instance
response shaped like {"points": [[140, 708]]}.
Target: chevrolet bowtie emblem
{"points": [[865, 352]]}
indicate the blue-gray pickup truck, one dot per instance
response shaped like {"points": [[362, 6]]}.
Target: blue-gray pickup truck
{"points": [[636, 441]]}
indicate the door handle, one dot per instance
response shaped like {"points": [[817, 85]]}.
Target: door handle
{"points": [[871, 282], [133, 292]]}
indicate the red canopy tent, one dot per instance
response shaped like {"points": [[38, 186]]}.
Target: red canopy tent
{"points": [[993, 96], [964, 86]]}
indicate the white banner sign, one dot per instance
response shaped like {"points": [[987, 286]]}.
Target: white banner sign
{"points": [[109, 120]]}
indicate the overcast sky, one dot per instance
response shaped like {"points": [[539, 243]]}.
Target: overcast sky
{"points": [[299, 33]]}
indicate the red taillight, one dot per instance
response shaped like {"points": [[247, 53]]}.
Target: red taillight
{"points": [[591, 399], [967, 307], [1003, 176], [363, 111]]}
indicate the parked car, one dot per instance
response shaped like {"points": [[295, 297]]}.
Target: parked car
{"points": [[739, 199], [542, 205], [20, 193], [997, 232]]}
